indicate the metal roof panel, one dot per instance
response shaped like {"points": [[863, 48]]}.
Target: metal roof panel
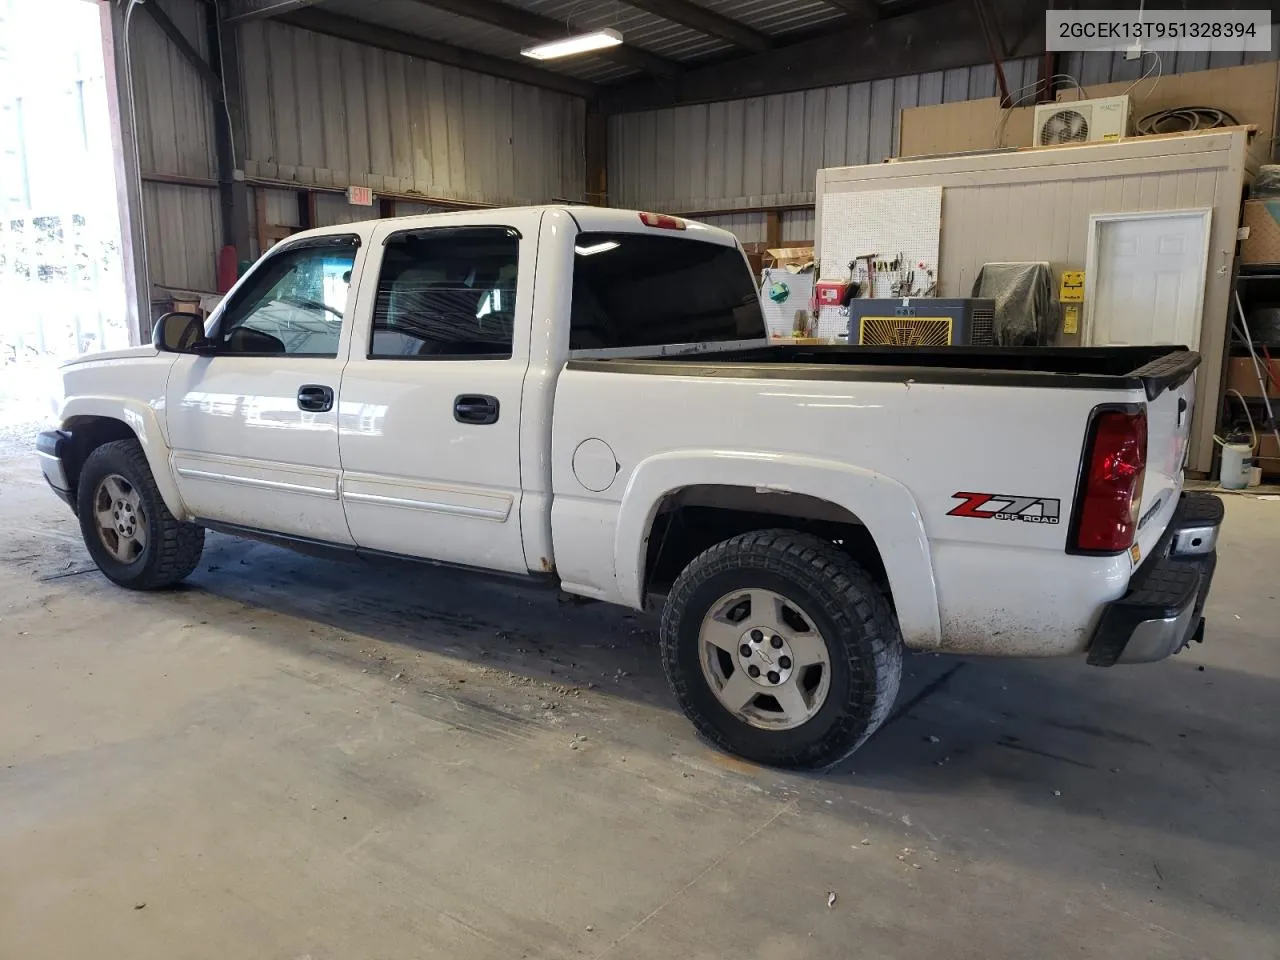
{"points": [[423, 20]]}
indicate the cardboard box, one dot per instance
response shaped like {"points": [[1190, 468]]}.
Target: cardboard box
{"points": [[796, 258], [1268, 455], [1248, 93], [1241, 377], [1262, 217]]}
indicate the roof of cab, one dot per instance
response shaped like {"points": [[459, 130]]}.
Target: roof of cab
{"points": [[588, 218]]}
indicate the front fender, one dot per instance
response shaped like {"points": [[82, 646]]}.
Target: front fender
{"points": [[145, 423], [882, 504]]}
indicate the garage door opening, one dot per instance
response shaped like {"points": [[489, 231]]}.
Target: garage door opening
{"points": [[61, 278]]}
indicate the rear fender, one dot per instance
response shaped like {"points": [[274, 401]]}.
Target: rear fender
{"points": [[884, 506]]}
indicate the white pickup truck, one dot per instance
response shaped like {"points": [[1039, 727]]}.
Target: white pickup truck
{"points": [[588, 397]]}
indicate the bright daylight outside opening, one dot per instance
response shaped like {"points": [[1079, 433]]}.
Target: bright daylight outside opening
{"points": [[60, 267]]}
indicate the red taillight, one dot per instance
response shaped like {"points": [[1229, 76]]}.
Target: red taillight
{"points": [[662, 220], [1111, 489]]}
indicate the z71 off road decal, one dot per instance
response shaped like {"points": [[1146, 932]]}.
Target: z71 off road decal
{"points": [[1005, 506]]}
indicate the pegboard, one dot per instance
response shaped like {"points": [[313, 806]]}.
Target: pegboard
{"points": [[906, 221]]}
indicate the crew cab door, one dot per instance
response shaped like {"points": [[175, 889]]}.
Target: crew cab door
{"points": [[430, 407], [253, 426]]}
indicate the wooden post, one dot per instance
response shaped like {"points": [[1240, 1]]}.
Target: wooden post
{"points": [[307, 216], [772, 229], [260, 218]]}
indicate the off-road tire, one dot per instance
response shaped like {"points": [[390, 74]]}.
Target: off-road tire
{"points": [[850, 611], [173, 548]]}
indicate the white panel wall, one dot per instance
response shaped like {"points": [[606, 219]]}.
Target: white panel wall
{"points": [[1034, 205]]}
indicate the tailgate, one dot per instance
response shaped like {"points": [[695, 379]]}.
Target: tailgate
{"points": [[1168, 430]]}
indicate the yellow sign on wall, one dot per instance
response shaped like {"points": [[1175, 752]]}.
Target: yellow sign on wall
{"points": [[1072, 289], [1070, 318]]}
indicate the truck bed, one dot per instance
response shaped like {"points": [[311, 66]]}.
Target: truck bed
{"points": [[1152, 369]]}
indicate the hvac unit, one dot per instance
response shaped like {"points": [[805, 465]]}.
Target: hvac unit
{"points": [[922, 322], [1084, 121]]}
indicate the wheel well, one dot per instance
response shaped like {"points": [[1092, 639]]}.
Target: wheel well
{"points": [[87, 434], [690, 520]]}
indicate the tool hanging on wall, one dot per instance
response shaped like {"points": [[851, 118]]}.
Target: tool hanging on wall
{"points": [[870, 259]]}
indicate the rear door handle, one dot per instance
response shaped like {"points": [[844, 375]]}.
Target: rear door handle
{"points": [[475, 408], [315, 398], [1182, 409]]}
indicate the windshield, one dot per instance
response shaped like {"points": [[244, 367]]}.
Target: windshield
{"points": [[638, 290]]}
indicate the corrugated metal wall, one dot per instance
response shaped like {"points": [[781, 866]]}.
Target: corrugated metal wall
{"points": [[1113, 67], [175, 115], [766, 151], [175, 137], [325, 111], [797, 225], [184, 233], [329, 112]]}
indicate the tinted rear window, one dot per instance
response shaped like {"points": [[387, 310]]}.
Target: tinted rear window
{"points": [[638, 290]]}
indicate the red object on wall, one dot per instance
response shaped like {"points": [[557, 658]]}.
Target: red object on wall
{"points": [[227, 268], [830, 292]]}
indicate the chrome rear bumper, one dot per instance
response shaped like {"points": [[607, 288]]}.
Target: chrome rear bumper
{"points": [[1161, 611]]}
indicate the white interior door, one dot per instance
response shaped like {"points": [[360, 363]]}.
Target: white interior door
{"points": [[1146, 277]]}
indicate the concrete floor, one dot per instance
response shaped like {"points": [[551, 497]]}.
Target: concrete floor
{"points": [[293, 758]]}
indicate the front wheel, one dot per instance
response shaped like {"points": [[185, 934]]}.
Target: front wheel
{"points": [[781, 649], [130, 533]]}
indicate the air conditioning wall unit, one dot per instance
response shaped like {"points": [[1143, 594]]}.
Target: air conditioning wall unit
{"points": [[922, 322], [1082, 121]]}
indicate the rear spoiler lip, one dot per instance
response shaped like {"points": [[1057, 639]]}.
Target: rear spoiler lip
{"points": [[1168, 372]]}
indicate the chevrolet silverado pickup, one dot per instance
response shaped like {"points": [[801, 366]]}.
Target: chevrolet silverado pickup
{"points": [[587, 397]]}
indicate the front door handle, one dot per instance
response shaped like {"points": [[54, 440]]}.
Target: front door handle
{"points": [[315, 398], [475, 408]]}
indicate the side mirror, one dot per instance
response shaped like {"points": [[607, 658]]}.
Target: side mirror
{"points": [[179, 333]]}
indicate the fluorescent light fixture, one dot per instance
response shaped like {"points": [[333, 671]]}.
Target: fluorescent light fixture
{"points": [[603, 247], [581, 43]]}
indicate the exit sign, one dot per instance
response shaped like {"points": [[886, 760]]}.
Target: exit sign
{"points": [[360, 196]]}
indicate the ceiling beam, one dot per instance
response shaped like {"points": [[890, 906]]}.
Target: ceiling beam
{"points": [[863, 9], [345, 28], [255, 9], [939, 38], [185, 47], [705, 21], [538, 27]]}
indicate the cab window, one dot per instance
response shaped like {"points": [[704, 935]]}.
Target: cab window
{"points": [[447, 294]]}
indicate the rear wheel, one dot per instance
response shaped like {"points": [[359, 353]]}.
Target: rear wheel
{"points": [[128, 530], [781, 649]]}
